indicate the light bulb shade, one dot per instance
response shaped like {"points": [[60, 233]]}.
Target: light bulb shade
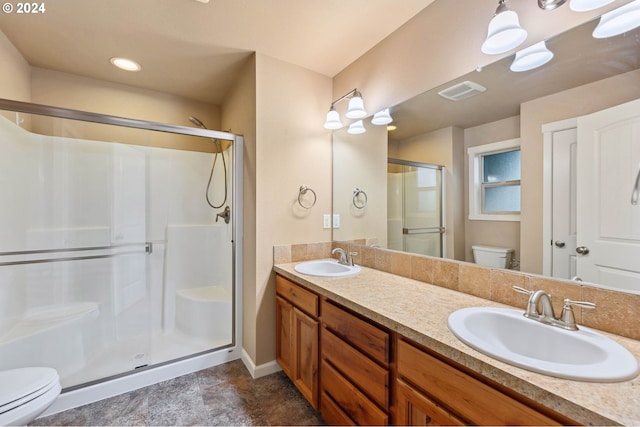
{"points": [[586, 5], [531, 57], [333, 120], [356, 107], [382, 117], [356, 128], [619, 20], [504, 33]]}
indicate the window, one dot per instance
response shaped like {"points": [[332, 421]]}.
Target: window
{"points": [[494, 181]]}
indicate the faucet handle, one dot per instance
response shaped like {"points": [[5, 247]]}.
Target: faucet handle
{"points": [[522, 290], [567, 316]]}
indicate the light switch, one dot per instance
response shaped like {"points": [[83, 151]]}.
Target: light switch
{"points": [[326, 221], [336, 220]]}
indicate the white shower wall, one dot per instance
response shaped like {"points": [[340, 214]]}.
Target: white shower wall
{"points": [[63, 193]]}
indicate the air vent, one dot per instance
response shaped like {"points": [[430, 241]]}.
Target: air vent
{"points": [[462, 90]]}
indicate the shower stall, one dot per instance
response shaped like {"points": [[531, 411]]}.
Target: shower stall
{"points": [[415, 207], [114, 269]]}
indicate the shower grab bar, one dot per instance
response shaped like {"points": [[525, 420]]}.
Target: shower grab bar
{"points": [[636, 189], [148, 249], [427, 230]]}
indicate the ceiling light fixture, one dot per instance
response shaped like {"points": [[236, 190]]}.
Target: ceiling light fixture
{"points": [[354, 111], [505, 32], [125, 64], [587, 5], [531, 57], [382, 117], [618, 21], [356, 128]]}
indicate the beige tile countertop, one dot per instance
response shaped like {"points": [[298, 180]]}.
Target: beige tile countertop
{"points": [[419, 311]]}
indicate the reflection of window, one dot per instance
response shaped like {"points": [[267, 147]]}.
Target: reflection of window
{"points": [[494, 181]]}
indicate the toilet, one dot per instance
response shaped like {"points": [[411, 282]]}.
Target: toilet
{"points": [[492, 256], [25, 393]]}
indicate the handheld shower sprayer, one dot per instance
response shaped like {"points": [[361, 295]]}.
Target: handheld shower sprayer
{"points": [[218, 150]]}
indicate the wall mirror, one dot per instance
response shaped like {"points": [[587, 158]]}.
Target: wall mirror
{"points": [[586, 75]]}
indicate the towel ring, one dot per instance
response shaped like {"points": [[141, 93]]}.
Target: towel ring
{"points": [[359, 205], [303, 190]]}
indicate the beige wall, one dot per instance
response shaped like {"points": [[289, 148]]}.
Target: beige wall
{"points": [[292, 149], [239, 116], [442, 147], [360, 161], [15, 75], [493, 233], [564, 105]]}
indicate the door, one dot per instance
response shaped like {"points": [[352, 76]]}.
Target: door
{"points": [[563, 203], [608, 245]]}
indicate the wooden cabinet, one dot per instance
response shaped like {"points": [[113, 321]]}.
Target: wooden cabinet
{"points": [[354, 371], [297, 336], [430, 390]]}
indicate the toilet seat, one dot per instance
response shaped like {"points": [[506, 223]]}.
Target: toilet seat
{"points": [[25, 392]]}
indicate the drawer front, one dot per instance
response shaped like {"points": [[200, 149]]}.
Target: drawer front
{"points": [[367, 338], [332, 413], [349, 399], [297, 295], [471, 399], [367, 375]]}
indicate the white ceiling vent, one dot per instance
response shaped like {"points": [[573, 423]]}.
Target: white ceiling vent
{"points": [[462, 90]]}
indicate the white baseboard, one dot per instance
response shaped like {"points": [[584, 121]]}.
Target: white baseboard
{"points": [[261, 370]]}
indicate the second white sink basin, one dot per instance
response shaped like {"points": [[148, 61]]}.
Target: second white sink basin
{"points": [[507, 335], [326, 268]]}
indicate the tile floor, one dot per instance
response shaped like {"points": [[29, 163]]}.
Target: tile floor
{"points": [[222, 395]]}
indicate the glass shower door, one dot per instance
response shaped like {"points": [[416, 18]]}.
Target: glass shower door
{"points": [[417, 188]]}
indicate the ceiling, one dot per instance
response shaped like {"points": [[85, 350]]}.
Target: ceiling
{"points": [[195, 49]]}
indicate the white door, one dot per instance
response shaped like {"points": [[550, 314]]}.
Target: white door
{"points": [[564, 198], [608, 245]]}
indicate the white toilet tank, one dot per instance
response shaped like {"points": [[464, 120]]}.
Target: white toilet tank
{"points": [[492, 256]]}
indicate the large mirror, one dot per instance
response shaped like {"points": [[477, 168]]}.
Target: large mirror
{"points": [[518, 109]]}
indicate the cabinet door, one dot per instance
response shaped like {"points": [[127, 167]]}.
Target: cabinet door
{"points": [[416, 409], [284, 335], [305, 360]]}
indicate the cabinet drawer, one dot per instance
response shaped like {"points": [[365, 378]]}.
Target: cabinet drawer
{"points": [[350, 399], [367, 375], [332, 413], [297, 295], [367, 338], [476, 402]]}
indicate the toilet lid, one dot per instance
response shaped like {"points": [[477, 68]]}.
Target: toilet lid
{"points": [[23, 384]]}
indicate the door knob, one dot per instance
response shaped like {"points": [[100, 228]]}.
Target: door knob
{"points": [[582, 250], [559, 243]]}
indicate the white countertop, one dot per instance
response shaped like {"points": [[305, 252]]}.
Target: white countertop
{"points": [[419, 311]]}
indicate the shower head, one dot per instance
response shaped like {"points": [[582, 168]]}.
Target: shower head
{"points": [[197, 122]]}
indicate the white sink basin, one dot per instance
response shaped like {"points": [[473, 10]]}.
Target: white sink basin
{"points": [[507, 335], [326, 268]]}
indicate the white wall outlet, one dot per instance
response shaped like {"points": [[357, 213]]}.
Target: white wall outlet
{"points": [[336, 220], [326, 221]]}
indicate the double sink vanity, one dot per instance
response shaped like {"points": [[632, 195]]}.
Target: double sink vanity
{"points": [[369, 347]]}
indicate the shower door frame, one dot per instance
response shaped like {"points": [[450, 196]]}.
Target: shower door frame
{"points": [[432, 230], [132, 380]]}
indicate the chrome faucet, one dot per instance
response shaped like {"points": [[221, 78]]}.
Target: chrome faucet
{"points": [[346, 258], [547, 315]]}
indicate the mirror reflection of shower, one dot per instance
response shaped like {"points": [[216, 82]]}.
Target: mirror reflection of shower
{"points": [[219, 149]]}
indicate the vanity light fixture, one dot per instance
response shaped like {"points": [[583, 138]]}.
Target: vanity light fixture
{"points": [[531, 57], [356, 128], [354, 111], [505, 32], [618, 21], [586, 5], [125, 64], [382, 117]]}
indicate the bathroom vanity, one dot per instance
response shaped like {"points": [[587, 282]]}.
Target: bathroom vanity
{"points": [[375, 349]]}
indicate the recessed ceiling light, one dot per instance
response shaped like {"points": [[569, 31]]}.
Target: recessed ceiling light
{"points": [[125, 64]]}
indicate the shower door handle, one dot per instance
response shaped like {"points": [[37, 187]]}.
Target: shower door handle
{"points": [[636, 189]]}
